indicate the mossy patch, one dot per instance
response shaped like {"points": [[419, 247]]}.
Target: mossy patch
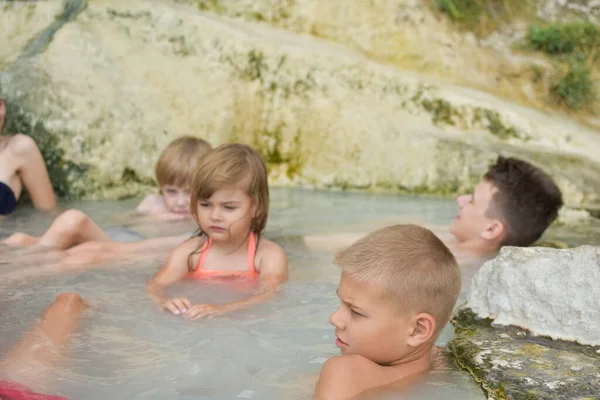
{"points": [[574, 86], [263, 130], [495, 125], [511, 364], [441, 111], [464, 117], [483, 16], [575, 47], [565, 38], [127, 14]]}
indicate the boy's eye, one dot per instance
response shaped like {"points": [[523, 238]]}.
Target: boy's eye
{"points": [[356, 313], [230, 207], [204, 204]]}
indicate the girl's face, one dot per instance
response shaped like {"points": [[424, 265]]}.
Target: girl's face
{"points": [[227, 215]]}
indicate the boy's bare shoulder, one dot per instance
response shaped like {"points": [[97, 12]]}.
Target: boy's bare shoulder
{"points": [[153, 203], [347, 365], [345, 376]]}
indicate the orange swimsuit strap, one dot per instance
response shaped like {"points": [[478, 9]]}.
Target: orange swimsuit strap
{"points": [[200, 272]]}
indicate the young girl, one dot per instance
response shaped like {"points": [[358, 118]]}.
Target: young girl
{"points": [[230, 203]]}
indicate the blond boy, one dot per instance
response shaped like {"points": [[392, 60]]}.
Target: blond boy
{"points": [[174, 171], [397, 290]]}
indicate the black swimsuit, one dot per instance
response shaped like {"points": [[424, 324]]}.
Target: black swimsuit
{"points": [[8, 201]]}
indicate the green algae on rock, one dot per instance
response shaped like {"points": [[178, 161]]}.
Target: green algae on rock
{"points": [[511, 364]]}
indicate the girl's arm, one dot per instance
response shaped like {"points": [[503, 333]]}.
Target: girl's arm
{"points": [[273, 268], [33, 172], [173, 270]]}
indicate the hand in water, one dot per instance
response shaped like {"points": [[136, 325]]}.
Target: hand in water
{"points": [[205, 310], [177, 306]]}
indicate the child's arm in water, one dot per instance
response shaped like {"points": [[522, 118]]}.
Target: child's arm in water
{"points": [[173, 270], [272, 265]]}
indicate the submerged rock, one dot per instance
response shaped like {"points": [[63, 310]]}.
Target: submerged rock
{"points": [[509, 363], [550, 292], [115, 82]]}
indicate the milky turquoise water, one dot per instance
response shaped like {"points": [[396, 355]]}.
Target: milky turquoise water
{"points": [[127, 349]]}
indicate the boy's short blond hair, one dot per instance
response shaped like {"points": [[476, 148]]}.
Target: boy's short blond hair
{"points": [[411, 265], [179, 160]]}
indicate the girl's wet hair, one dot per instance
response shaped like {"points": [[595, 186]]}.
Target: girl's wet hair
{"points": [[232, 165]]}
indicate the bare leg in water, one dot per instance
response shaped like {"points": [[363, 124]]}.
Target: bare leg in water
{"points": [[68, 229], [39, 350]]}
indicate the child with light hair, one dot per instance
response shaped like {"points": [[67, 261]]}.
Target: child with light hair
{"points": [[397, 290], [174, 172]]}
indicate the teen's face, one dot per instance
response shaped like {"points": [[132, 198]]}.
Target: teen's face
{"points": [[366, 323], [2, 112], [471, 219], [227, 214], [177, 199]]}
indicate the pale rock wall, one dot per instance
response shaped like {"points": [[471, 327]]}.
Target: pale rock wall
{"points": [[122, 79], [550, 292], [409, 34], [20, 22]]}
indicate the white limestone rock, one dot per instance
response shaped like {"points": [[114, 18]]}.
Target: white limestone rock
{"points": [[551, 292], [141, 73]]}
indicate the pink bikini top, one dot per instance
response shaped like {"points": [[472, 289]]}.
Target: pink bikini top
{"points": [[202, 273]]}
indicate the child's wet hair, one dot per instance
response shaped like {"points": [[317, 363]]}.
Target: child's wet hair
{"points": [[411, 265], [179, 160]]}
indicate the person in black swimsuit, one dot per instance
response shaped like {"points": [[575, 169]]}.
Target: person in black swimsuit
{"points": [[22, 166]]}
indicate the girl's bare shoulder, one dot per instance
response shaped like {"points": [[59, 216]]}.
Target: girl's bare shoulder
{"points": [[271, 254]]}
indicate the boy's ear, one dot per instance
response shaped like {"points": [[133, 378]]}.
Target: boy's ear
{"points": [[423, 327], [493, 231]]}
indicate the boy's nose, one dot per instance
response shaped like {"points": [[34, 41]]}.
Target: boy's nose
{"points": [[183, 201], [336, 319], [462, 200]]}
